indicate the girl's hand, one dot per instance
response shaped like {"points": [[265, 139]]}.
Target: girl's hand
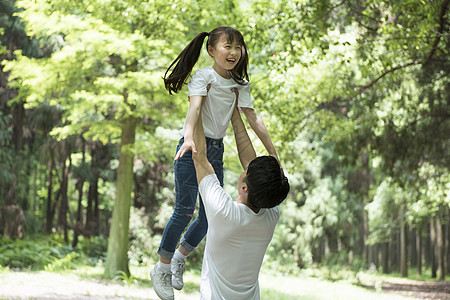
{"points": [[187, 145]]}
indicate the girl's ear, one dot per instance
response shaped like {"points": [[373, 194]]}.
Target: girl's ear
{"points": [[210, 50]]}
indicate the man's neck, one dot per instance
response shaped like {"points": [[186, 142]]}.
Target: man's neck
{"points": [[245, 202]]}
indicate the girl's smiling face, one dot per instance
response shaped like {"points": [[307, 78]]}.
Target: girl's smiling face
{"points": [[226, 55]]}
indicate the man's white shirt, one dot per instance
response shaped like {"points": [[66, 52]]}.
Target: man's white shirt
{"points": [[236, 242]]}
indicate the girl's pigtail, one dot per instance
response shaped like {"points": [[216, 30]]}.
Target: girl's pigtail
{"points": [[184, 64]]}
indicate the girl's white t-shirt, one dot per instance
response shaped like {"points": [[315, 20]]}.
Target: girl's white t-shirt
{"points": [[220, 100], [236, 243]]}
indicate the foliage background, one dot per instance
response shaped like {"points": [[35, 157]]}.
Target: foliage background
{"points": [[355, 96]]}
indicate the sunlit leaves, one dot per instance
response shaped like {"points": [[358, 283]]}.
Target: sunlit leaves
{"points": [[367, 77], [420, 198], [344, 87], [383, 211], [101, 69]]}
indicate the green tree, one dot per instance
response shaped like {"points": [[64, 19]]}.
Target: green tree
{"points": [[104, 78], [14, 187], [370, 77], [105, 75]]}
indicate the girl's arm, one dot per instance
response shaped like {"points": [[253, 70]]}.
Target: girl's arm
{"points": [[260, 129], [195, 109]]}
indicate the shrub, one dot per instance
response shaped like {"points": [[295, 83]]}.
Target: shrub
{"points": [[50, 253]]}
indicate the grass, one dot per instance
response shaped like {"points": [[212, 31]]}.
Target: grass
{"points": [[302, 287], [412, 275], [42, 266], [273, 286], [48, 267], [89, 282]]}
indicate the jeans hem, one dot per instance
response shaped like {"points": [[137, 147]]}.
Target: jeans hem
{"points": [[166, 254], [186, 245]]}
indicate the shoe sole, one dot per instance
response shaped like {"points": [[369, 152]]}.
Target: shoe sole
{"points": [[159, 295], [177, 287]]}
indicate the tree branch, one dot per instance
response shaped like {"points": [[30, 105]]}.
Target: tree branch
{"points": [[365, 87], [424, 62], [440, 31]]}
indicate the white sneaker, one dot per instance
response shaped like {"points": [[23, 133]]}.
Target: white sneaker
{"points": [[177, 268], [162, 284]]}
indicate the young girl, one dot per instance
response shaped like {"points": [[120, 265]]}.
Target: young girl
{"points": [[213, 92]]}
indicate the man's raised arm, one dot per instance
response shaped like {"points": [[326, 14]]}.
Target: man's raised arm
{"points": [[202, 166], [244, 144]]}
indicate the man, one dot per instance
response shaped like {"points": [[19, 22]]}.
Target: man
{"points": [[238, 231]]}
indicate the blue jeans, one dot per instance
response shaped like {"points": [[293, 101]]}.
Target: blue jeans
{"points": [[186, 191]]}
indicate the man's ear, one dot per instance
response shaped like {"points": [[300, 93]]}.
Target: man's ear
{"points": [[244, 187]]}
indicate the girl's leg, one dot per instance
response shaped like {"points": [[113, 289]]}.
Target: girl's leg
{"points": [[186, 191], [198, 228]]}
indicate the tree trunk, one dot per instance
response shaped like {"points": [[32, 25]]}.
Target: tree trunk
{"points": [[427, 245], [90, 209], [385, 256], [315, 251], [66, 200], [117, 259], [412, 249], [403, 247], [79, 187], [419, 250], [433, 248], [359, 243], [375, 260], [96, 208], [64, 205], [440, 239], [49, 212], [370, 250], [78, 220], [332, 245], [365, 234], [13, 215], [13, 219], [447, 229], [34, 190], [93, 183], [394, 250]]}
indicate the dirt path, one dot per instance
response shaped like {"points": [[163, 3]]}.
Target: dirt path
{"points": [[417, 289], [46, 285], [69, 286]]}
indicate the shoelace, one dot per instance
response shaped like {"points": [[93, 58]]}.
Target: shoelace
{"points": [[180, 267], [167, 279]]}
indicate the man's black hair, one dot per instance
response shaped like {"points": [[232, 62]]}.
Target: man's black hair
{"points": [[267, 185]]}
